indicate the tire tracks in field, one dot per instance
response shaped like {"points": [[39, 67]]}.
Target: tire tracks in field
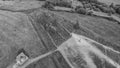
{"points": [[60, 49]]}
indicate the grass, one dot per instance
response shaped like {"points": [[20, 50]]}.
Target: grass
{"points": [[99, 29], [52, 61], [110, 1]]}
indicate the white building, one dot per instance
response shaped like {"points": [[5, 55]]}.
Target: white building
{"points": [[21, 58]]}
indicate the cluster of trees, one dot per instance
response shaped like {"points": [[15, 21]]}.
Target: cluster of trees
{"points": [[62, 3], [98, 6], [48, 5], [87, 5], [117, 8]]}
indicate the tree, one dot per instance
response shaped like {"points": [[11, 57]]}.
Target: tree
{"points": [[76, 25], [81, 10], [111, 5], [62, 3], [118, 10], [48, 5], [22, 51], [112, 11], [93, 1]]}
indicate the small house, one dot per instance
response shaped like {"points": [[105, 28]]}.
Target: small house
{"points": [[22, 57]]}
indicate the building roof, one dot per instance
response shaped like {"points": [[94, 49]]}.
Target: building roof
{"points": [[22, 51]]}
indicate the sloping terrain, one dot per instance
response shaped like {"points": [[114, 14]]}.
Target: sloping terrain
{"points": [[66, 22], [20, 6], [110, 1], [52, 42], [96, 28], [83, 53], [80, 52], [17, 32]]}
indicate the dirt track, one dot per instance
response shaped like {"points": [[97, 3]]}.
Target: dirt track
{"points": [[82, 44]]}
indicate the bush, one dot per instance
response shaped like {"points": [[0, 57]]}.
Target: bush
{"points": [[81, 10], [81, 0], [93, 1], [118, 10], [90, 13], [105, 9], [93, 4], [76, 25], [112, 11], [78, 7], [96, 9], [98, 3], [48, 5], [64, 4], [87, 5], [111, 5]]}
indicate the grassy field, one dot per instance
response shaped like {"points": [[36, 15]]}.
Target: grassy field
{"points": [[17, 31], [96, 28], [110, 1], [101, 30]]}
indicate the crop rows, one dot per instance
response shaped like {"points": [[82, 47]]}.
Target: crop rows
{"points": [[68, 25], [56, 37], [107, 43], [100, 62], [87, 33], [44, 36], [113, 55], [108, 65], [97, 61], [63, 32], [80, 61]]}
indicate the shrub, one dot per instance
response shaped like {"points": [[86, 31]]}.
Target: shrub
{"points": [[81, 10], [48, 5], [64, 4], [105, 9], [78, 7], [90, 13], [87, 6], [81, 0], [112, 11], [93, 1], [111, 5], [118, 10], [98, 3], [76, 25], [93, 4], [96, 9]]}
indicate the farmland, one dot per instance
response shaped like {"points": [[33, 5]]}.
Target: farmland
{"points": [[51, 40]]}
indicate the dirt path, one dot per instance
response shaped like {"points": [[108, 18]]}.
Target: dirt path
{"points": [[85, 51], [32, 60], [83, 47]]}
